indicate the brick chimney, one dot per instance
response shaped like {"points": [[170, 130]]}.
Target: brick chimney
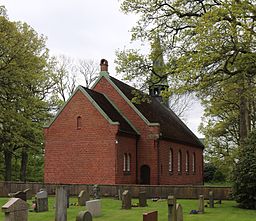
{"points": [[103, 65]]}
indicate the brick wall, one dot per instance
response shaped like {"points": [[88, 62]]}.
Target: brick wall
{"points": [[80, 155]]}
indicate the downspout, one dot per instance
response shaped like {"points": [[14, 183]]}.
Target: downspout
{"points": [[158, 160], [136, 150]]}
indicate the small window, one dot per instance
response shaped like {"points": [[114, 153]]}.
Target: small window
{"points": [[194, 163], [129, 162], [179, 161], [187, 162], [79, 122], [124, 163], [170, 160]]}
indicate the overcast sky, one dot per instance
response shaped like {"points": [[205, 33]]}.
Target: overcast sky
{"points": [[87, 29]]}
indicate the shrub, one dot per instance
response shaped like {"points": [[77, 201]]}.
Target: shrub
{"points": [[244, 176]]}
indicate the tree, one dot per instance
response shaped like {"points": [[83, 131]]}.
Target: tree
{"points": [[26, 81], [244, 178], [209, 45]]}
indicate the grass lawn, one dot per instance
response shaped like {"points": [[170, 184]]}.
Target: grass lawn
{"points": [[111, 211]]}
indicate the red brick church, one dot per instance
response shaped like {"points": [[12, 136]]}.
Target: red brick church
{"points": [[100, 136]]}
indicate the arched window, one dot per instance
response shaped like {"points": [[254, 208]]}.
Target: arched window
{"points": [[187, 162], [78, 122], [124, 163], [170, 160], [129, 162], [179, 161], [194, 162]]}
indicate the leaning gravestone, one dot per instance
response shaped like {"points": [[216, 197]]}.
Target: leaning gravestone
{"points": [[41, 201], [15, 209], [126, 200], [179, 212], [142, 199], [150, 216], [61, 204], [84, 216], [201, 204], [211, 199], [19, 194], [83, 197], [94, 207], [171, 202], [28, 193]]}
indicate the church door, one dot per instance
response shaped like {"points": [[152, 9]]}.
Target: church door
{"points": [[145, 174]]}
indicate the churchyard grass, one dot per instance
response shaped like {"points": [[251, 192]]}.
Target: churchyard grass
{"points": [[111, 211]]}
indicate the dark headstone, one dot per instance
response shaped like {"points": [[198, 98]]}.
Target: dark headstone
{"points": [[211, 199], [171, 202], [96, 191], [41, 201], [150, 216], [126, 200], [84, 216], [142, 199], [15, 210], [19, 194], [28, 193]]}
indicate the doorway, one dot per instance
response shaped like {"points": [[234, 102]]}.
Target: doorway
{"points": [[145, 174]]}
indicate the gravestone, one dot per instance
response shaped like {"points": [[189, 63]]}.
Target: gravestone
{"points": [[15, 209], [94, 207], [41, 201], [150, 216], [211, 199], [171, 202], [126, 200], [28, 193], [179, 212], [61, 204], [201, 204], [19, 194], [83, 197], [142, 199], [96, 191], [84, 216]]}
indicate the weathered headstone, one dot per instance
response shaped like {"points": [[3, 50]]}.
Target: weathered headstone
{"points": [[96, 191], [84, 216], [19, 194], [61, 204], [15, 209], [171, 202], [179, 212], [28, 193], [83, 197], [201, 204], [142, 199], [41, 201], [150, 216], [211, 199], [126, 200], [94, 207]]}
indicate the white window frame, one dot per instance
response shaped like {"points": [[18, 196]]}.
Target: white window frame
{"points": [[170, 160], [179, 161], [187, 161]]}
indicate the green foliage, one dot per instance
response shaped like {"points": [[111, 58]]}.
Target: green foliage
{"points": [[212, 173], [245, 174], [26, 81]]}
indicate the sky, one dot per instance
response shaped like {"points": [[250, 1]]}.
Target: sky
{"points": [[84, 29]]}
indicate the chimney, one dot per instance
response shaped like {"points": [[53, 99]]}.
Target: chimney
{"points": [[103, 65]]}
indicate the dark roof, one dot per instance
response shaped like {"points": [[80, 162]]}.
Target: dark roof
{"points": [[171, 127], [111, 111]]}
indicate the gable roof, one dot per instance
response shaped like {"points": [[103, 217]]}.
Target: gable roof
{"points": [[111, 112], [171, 127]]}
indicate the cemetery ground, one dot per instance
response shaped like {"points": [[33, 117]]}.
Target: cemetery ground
{"points": [[111, 211]]}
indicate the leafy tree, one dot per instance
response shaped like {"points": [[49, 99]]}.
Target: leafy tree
{"points": [[208, 45], [244, 174], [26, 81]]}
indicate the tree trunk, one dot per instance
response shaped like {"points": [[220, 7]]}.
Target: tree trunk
{"points": [[23, 168], [244, 119], [8, 165]]}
